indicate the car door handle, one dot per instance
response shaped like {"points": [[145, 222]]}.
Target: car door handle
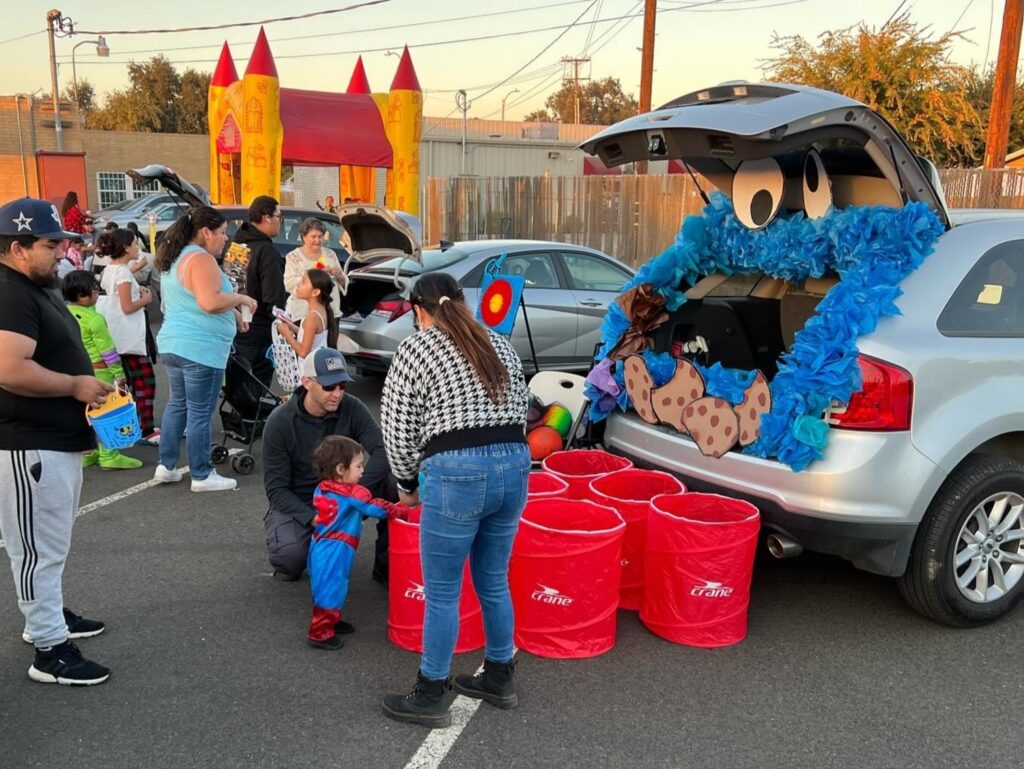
{"points": [[591, 303]]}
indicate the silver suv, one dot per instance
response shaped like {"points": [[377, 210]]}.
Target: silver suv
{"points": [[922, 478]]}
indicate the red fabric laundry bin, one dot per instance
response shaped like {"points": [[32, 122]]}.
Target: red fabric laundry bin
{"points": [[564, 577], [630, 492], [545, 485], [698, 565], [580, 466], [407, 599]]}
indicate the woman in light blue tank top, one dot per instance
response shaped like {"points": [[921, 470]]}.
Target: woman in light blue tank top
{"points": [[201, 317]]}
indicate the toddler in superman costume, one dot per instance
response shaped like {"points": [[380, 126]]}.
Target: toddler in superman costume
{"points": [[341, 504]]}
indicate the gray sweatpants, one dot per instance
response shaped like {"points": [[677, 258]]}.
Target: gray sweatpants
{"points": [[39, 493]]}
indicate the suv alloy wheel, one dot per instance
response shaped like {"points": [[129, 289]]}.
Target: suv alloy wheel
{"points": [[967, 563]]}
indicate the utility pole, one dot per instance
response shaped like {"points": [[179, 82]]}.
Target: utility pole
{"points": [[462, 102], [53, 19], [647, 65], [1004, 85], [575, 62]]}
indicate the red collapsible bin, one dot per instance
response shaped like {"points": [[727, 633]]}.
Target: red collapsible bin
{"points": [[564, 576], [630, 492], [407, 600], [699, 562], [580, 466], [545, 485]]}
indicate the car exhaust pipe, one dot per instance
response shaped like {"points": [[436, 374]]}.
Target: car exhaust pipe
{"points": [[783, 546]]}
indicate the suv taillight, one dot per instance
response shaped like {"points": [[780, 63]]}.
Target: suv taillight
{"points": [[884, 403], [392, 308]]}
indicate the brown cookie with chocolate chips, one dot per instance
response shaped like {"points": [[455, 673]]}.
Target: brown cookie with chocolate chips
{"points": [[757, 401], [639, 385], [712, 424], [670, 400]]}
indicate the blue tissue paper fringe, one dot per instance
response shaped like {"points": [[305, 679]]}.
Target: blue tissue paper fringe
{"points": [[871, 248]]}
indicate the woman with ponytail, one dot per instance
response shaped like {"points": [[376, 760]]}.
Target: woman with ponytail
{"points": [[453, 414], [201, 317]]}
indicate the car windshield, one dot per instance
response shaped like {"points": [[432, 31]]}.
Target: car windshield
{"points": [[435, 259]]}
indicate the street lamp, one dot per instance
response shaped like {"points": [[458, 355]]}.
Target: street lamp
{"points": [[392, 53], [101, 50], [514, 90]]}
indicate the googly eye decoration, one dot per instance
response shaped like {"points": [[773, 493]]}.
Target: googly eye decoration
{"points": [[817, 186], [757, 192]]}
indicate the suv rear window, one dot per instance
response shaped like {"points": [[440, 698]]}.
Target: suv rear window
{"points": [[990, 300]]}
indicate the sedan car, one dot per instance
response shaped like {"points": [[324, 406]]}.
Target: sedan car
{"points": [[567, 290]]}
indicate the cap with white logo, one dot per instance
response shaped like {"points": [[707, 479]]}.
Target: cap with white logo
{"points": [[326, 366], [33, 217]]}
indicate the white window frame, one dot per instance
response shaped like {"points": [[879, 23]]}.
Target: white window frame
{"points": [[112, 187]]}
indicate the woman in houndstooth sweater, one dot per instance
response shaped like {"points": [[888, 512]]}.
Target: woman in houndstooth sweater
{"points": [[454, 412]]}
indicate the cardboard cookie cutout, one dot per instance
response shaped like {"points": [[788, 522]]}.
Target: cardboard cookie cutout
{"points": [[817, 187], [712, 424], [757, 190], [669, 400], [757, 401], [639, 386]]}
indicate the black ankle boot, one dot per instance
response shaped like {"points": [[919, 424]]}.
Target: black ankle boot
{"points": [[426, 704], [495, 685]]}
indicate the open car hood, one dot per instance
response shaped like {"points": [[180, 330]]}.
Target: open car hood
{"points": [[373, 233], [714, 129], [192, 194]]}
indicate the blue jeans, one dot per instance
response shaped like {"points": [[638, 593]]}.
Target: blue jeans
{"points": [[472, 501], [193, 399]]}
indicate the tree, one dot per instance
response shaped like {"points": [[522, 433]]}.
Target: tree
{"points": [[86, 95], [900, 71], [157, 100], [538, 116], [979, 92], [602, 102]]}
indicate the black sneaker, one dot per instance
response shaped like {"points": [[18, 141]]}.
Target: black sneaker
{"points": [[64, 664], [283, 576], [78, 627], [329, 644], [344, 628]]}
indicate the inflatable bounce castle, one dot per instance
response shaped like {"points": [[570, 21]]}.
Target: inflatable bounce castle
{"points": [[256, 126]]}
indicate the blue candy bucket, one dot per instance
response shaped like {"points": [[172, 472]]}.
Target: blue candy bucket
{"points": [[116, 422]]}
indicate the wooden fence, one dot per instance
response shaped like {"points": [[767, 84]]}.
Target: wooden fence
{"points": [[630, 217]]}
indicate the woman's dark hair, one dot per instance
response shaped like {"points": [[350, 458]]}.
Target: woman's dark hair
{"points": [[309, 224], [322, 281], [454, 319], [78, 283], [335, 450], [183, 232], [71, 199], [115, 243]]}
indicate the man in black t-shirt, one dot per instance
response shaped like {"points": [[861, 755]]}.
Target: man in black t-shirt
{"points": [[46, 380]]}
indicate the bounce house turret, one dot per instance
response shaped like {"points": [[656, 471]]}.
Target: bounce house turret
{"points": [[262, 133], [403, 123], [222, 185], [357, 182]]}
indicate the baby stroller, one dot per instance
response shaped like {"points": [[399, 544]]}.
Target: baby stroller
{"points": [[245, 405]]}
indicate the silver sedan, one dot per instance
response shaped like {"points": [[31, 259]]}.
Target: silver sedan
{"points": [[568, 289]]}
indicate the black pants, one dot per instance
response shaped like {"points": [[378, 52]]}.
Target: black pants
{"points": [[256, 354]]}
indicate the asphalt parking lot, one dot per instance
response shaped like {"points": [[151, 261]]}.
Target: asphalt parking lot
{"points": [[211, 668]]}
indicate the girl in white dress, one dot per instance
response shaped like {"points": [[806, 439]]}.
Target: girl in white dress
{"points": [[319, 328]]}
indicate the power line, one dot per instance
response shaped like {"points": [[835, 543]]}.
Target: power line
{"points": [[22, 37], [310, 15], [362, 31]]}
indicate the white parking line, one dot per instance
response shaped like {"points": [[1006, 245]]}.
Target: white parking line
{"points": [[437, 744]]}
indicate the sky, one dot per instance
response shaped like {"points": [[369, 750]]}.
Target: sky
{"points": [[511, 53]]}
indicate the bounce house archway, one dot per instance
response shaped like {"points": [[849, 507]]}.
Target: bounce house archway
{"points": [[255, 126]]}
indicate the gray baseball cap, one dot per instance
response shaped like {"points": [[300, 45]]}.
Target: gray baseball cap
{"points": [[327, 366]]}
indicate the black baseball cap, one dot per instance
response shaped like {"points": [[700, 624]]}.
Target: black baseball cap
{"points": [[33, 217], [327, 366]]}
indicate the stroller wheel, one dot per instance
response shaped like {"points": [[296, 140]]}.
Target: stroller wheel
{"points": [[219, 454], [243, 464]]}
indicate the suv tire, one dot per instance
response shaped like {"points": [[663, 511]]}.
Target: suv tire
{"points": [[930, 582]]}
